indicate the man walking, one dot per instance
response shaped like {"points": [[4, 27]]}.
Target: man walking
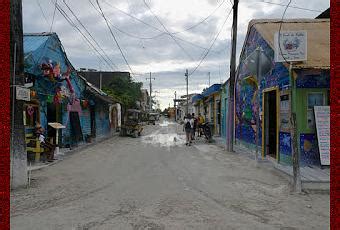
{"points": [[188, 127], [195, 126]]}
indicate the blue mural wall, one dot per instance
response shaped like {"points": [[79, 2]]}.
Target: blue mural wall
{"points": [[46, 51], [285, 148], [247, 99], [309, 153]]}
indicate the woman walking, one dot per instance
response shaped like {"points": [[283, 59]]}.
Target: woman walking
{"points": [[188, 127]]}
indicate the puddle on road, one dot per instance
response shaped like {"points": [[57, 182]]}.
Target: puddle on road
{"points": [[164, 140], [166, 123], [166, 136]]}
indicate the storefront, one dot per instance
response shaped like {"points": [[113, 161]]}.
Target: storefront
{"points": [[271, 91]]}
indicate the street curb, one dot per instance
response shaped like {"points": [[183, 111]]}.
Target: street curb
{"points": [[73, 151]]}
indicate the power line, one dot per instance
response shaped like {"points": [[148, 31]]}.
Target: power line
{"points": [[294, 7], [283, 15], [172, 36], [114, 37], [124, 32], [154, 27], [42, 11], [217, 35], [55, 7], [203, 20], [69, 20], [88, 32]]}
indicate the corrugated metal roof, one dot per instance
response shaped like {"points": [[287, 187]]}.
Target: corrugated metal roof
{"points": [[318, 38]]}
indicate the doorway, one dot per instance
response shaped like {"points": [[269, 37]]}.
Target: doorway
{"points": [[270, 124], [51, 117]]}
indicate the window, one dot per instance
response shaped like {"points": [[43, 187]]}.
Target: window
{"points": [[313, 99]]}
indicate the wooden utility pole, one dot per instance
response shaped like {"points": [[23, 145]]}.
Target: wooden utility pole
{"points": [[230, 134], [18, 144], [150, 97], [297, 186], [187, 81], [175, 106]]}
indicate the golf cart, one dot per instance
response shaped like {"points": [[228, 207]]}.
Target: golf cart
{"points": [[153, 117], [132, 126]]}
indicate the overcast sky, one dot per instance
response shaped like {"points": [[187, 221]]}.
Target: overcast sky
{"points": [[147, 45]]}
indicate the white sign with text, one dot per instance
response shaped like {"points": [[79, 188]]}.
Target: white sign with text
{"points": [[293, 46], [322, 122]]}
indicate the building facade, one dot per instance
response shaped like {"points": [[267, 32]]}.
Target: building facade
{"points": [[271, 90], [59, 94]]}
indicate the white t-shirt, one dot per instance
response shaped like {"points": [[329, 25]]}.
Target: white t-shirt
{"points": [[42, 138]]}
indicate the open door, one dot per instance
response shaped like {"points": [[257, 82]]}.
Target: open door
{"points": [[270, 128]]}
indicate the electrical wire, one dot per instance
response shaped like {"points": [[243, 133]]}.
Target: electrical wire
{"points": [[294, 7], [55, 7], [172, 36], [154, 27], [88, 32], [114, 37], [69, 20], [279, 36], [42, 11], [217, 35]]}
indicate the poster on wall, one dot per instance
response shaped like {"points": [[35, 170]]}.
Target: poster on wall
{"points": [[292, 46], [284, 113], [322, 122]]}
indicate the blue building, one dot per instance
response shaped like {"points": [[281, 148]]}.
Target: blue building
{"points": [[59, 94], [224, 109]]}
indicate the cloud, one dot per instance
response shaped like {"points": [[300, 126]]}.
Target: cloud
{"points": [[160, 55]]}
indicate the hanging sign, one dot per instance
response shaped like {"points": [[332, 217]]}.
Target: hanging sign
{"points": [[293, 46], [23, 93], [322, 122]]}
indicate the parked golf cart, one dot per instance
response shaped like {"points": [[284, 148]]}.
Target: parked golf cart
{"points": [[132, 126], [153, 117]]}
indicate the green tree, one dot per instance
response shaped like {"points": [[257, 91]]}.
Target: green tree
{"points": [[125, 91]]}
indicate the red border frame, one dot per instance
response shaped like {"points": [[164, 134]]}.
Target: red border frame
{"points": [[5, 114], [335, 116]]}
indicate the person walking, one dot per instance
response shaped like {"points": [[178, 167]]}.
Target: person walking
{"points": [[188, 127], [194, 127], [49, 148], [200, 124]]}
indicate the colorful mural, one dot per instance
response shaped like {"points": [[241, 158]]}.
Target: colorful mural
{"points": [[313, 79], [247, 97], [285, 148], [309, 153]]}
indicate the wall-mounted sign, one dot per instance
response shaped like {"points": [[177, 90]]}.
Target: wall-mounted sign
{"points": [[322, 121], [23, 93], [293, 46]]}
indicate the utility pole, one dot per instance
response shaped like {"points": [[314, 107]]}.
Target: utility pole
{"points": [[100, 80], [295, 152], [187, 80], [230, 136], [175, 106], [18, 155], [150, 84]]}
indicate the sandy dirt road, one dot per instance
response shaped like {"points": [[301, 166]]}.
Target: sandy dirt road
{"points": [[156, 182]]}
